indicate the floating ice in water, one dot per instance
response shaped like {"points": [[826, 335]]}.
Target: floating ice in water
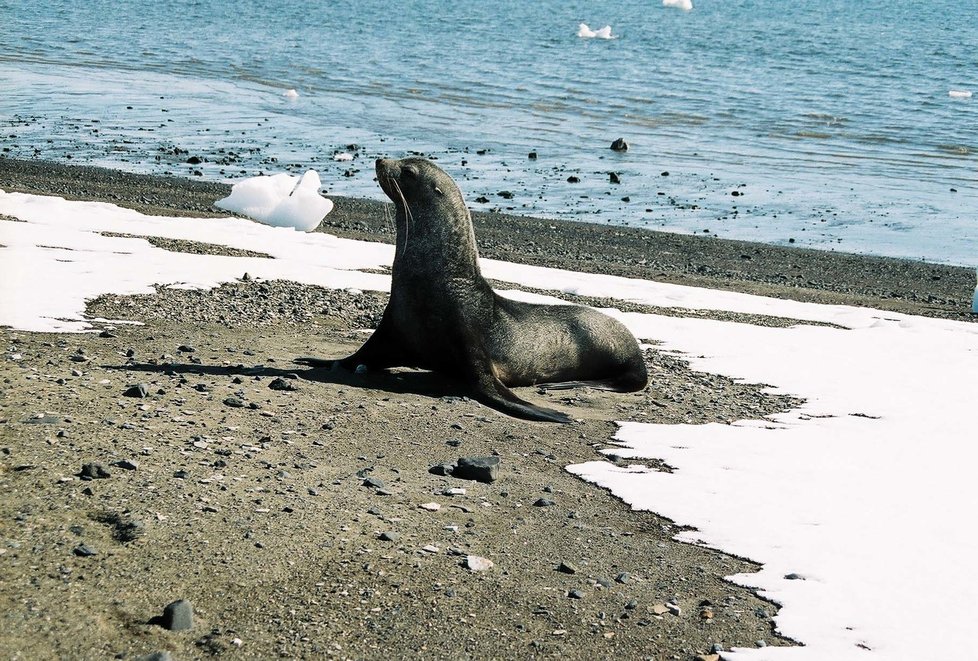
{"points": [[291, 94], [280, 200], [685, 5], [959, 94], [584, 32], [343, 156]]}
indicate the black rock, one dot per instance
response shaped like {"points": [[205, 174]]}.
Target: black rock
{"points": [[482, 199], [624, 577], [138, 390], [567, 568], [619, 145], [532, 156], [106, 334], [278, 383], [573, 180], [181, 474], [480, 469], [614, 178], [185, 348], [575, 594], [83, 551], [178, 616], [194, 160], [389, 536], [505, 194], [234, 402], [543, 502], [373, 483], [126, 464], [94, 472]]}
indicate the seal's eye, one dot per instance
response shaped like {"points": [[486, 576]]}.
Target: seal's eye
{"points": [[410, 172], [438, 190]]}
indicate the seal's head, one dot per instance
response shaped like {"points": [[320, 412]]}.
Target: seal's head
{"points": [[421, 192], [430, 212]]}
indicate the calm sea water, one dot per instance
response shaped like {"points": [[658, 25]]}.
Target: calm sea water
{"points": [[831, 120]]}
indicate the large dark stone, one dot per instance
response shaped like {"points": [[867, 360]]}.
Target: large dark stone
{"points": [[481, 469]]}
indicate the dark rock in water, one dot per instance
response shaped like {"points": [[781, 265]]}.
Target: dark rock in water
{"points": [[278, 383], [373, 483], [619, 145], [83, 551], [482, 199], [138, 390], [234, 402], [532, 156], [614, 178], [573, 180], [178, 616], [194, 160], [543, 502], [93, 472], [481, 469], [505, 194], [442, 469]]}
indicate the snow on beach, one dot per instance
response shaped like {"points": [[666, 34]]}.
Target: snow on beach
{"points": [[861, 496]]}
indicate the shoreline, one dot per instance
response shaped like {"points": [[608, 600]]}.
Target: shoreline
{"points": [[802, 274]]}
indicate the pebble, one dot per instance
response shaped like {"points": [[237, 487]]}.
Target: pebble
{"points": [[156, 656], [106, 334], [373, 483], [389, 536], [185, 348], [794, 577], [575, 594], [278, 383], [623, 578], [631, 605], [431, 507], [567, 568], [455, 491], [178, 616], [480, 469], [477, 563], [442, 469], [234, 402], [660, 609], [543, 502], [94, 472], [83, 551], [614, 178], [126, 464], [138, 390], [674, 609]]}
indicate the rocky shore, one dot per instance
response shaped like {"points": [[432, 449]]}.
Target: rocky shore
{"points": [[309, 514]]}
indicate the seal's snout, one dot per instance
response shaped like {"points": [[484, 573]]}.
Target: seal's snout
{"points": [[385, 168]]}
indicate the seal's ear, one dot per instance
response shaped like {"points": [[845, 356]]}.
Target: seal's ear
{"points": [[438, 190]]}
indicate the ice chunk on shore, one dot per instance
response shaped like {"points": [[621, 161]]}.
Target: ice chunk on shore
{"points": [[343, 156], [291, 94], [280, 200], [584, 32], [959, 94], [685, 5]]}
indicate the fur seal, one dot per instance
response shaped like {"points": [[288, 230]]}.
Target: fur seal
{"points": [[443, 315]]}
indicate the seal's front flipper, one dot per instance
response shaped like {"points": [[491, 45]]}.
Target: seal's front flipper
{"points": [[318, 363]]}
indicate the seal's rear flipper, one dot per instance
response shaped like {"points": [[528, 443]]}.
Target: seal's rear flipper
{"points": [[493, 393]]}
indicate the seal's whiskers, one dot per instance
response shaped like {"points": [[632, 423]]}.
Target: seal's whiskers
{"points": [[408, 218]]}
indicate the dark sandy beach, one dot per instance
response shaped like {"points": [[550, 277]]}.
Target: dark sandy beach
{"points": [[292, 519]]}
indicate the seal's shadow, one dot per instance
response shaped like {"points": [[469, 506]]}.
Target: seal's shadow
{"points": [[396, 381]]}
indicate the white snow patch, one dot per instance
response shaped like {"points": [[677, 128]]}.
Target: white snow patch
{"points": [[279, 200], [865, 491]]}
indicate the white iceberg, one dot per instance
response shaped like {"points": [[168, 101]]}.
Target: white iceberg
{"points": [[685, 5], [584, 32], [291, 94], [280, 200], [959, 94]]}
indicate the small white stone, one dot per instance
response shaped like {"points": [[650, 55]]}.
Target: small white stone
{"points": [[477, 563], [431, 507]]}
